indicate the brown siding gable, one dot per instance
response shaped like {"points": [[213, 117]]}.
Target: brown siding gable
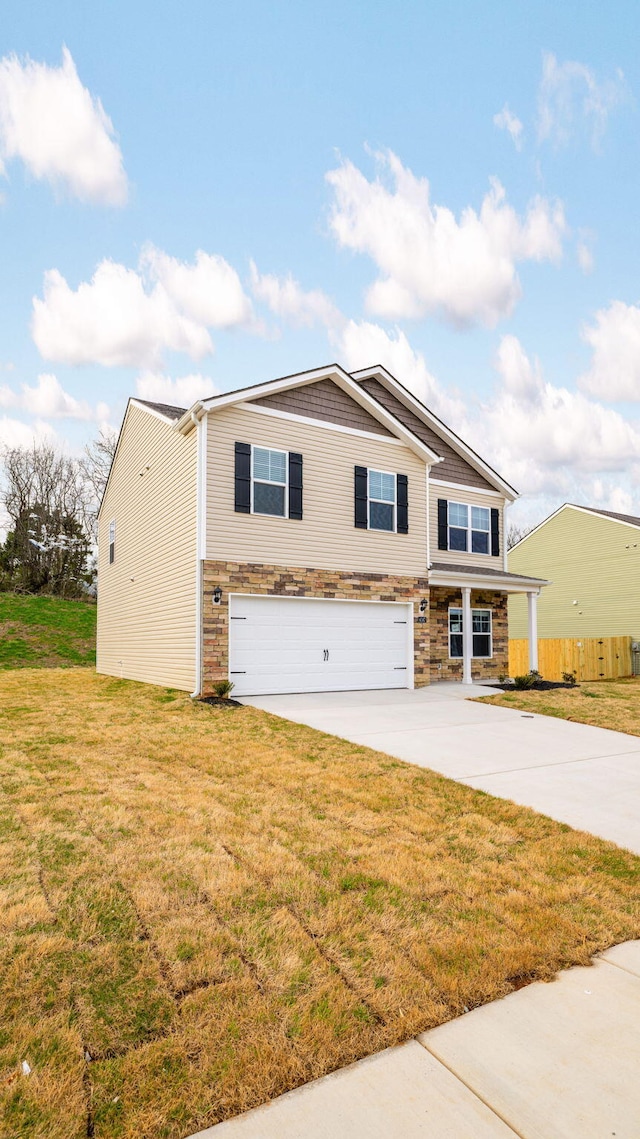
{"points": [[326, 401]]}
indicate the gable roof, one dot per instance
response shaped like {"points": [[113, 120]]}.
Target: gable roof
{"points": [[437, 426], [164, 409], [630, 519], [432, 445], [331, 371], [625, 519]]}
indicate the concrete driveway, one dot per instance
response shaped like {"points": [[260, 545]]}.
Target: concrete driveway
{"points": [[587, 777]]}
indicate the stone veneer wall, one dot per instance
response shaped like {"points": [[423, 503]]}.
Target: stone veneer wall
{"points": [[440, 599], [235, 577]]}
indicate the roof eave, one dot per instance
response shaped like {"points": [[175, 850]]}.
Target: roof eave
{"points": [[414, 404]]}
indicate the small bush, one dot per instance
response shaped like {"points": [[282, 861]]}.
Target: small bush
{"points": [[526, 681], [569, 677], [223, 688]]}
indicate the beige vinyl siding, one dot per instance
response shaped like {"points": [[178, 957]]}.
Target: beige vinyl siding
{"points": [[325, 538], [147, 626], [470, 498], [589, 559]]}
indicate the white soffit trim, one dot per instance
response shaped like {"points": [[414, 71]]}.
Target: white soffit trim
{"points": [[414, 404], [497, 581], [331, 372], [325, 423]]}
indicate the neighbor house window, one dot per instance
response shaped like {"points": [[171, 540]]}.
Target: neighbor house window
{"points": [[269, 481], [382, 501], [112, 542], [469, 528], [480, 632]]}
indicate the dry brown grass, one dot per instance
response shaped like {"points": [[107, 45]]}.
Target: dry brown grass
{"points": [[605, 703], [216, 905]]}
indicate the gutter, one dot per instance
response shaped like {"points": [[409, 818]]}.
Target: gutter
{"points": [[199, 423]]}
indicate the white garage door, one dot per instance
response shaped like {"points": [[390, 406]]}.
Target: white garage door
{"points": [[286, 644]]}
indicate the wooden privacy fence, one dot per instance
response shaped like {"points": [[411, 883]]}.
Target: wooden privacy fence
{"points": [[592, 658]]}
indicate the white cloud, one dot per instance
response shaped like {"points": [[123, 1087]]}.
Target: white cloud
{"points": [[546, 438], [614, 337], [571, 100], [15, 433], [285, 297], [208, 292], [59, 131], [181, 392], [128, 318], [362, 345], [505, 120], [585, 256], [430, 261], [47, 399]]}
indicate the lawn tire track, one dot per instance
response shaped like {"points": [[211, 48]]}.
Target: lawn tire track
{"points": [[316, 939]]}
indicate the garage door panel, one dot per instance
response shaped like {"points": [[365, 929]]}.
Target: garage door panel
{"points": [[279, 645]]}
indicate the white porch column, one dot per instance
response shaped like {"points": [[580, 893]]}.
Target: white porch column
{"points": [[532, 605], [467, 635]]}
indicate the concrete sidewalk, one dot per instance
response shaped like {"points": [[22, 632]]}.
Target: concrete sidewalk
{"points": [[587, 777], [552, 1061]]}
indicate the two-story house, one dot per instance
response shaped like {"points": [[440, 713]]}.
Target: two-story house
{"points": [[319, 532]]}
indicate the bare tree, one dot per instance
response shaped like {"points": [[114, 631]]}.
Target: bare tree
{"points": [[46, 497], [515, 534], [95, 465]]}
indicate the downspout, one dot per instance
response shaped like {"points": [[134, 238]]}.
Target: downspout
{"points": [[200, 506]]}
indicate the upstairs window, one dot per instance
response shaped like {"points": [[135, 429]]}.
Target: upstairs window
{"points": [[112, 542], [269, 481], [468, 529], [382, 501]]}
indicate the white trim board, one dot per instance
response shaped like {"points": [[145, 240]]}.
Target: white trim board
{"points": [[471, 489]]}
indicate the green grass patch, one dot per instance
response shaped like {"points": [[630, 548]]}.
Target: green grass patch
{"points": [[46, 632]]}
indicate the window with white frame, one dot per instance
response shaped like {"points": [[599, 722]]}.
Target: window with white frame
{"points": [[481, 635], [112, 542], [269, 481], [469, 528], [382, 500]]}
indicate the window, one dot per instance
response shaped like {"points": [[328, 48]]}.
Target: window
{"points": [[481, 633], [469, 528], [112, 542], [269, 481], [382, 501]]}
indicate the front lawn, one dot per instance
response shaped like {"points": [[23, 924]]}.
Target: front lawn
{"points": [[46, 632], [205, 907], [605, 703]]}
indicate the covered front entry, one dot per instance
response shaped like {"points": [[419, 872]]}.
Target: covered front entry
{"points": [[299, 644]]}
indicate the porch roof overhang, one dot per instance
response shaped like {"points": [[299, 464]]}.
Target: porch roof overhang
{"points": [[483, 577]]}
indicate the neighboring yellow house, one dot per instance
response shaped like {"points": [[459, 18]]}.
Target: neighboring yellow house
{"points": [[320, 532], [592, 560]]}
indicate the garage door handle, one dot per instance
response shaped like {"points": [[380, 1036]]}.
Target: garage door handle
{"points": [[326, 654]]}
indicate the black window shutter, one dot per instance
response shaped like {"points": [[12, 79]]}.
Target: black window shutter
{"points": [[495, 533], [361, 497], [442, 524], [243, 478], [403, 504], [295, 485]]}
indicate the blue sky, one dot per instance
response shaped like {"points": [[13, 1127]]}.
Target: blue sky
{"points": [[448, 189]]}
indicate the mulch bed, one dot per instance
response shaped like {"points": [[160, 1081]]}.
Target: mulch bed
{"points": [[221, 701], [539, 686]]}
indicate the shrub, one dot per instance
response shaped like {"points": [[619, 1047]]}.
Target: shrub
{"points": [[569, 677], [223, 688], [526, 681]]}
